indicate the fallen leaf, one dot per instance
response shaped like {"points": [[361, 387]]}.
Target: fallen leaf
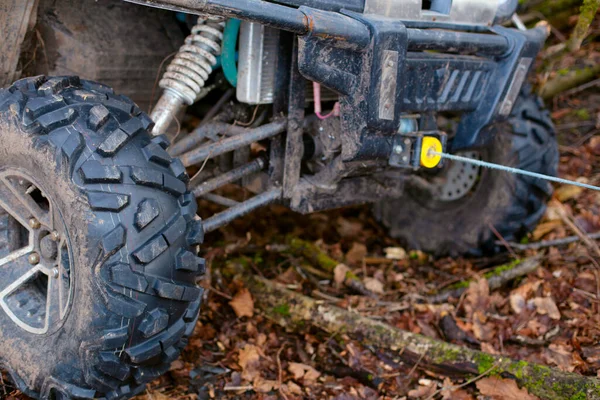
{"points": [[449, 392], [293, 388], [248, 359], [503, 389], [339, 273], [265, 386], [305, 372], [374, 285], [517, 303], [567, 192], [395, 253], [422, 391], [357, 253], [243, 304], [544, 229], [348, 229], [561, 356], [546, 306], [477, 297]]}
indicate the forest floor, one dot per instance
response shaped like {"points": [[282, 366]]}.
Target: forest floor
{"points": [[550, 316]]}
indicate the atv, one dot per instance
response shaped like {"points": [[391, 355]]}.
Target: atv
{"points": [[313, 104]]}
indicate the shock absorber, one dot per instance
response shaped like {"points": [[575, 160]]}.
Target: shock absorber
{"points": [[186, 76]]}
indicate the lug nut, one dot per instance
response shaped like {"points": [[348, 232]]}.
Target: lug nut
{"points": [[34, 259], [55, 236], [34, 223], [55, 273]]}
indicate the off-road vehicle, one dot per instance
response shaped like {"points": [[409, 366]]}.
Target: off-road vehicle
{"points": [[314, 104]]}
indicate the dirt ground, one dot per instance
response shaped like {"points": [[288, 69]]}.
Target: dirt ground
{"points": [[551, 316]]}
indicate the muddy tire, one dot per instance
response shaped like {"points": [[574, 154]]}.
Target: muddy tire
{"points": [[510, 204], [109, 297]]}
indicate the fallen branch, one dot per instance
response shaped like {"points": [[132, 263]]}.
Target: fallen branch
{"points": [[549, 243], [496, 278], [586, 17], [572, 79], [294, 311]]}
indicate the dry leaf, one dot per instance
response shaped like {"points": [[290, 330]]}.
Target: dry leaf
{"points": [[502, 389], [546, 306], [305, 372], [448, 392], [265, 386], [374, 285], [517, 303], [293, 388], [567, 192], [422, 391], [395, 253], [243, 304], [477, 297], [339, 273], [348, 229], [248, 360], [561, 356], [356, 254], [544, 229]]}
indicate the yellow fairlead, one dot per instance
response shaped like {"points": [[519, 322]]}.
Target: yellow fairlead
{"points": [[430, 152]]}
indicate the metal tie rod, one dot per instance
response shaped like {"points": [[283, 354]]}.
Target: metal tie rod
{"points": [[513, 170], [242, 209], [220, 200], [229, 177], [233, 143]]}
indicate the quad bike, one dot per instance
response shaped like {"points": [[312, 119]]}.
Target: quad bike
{"points": [[98, 228]]}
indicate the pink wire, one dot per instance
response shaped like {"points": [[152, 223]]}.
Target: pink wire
{"points": [[317, 100]]}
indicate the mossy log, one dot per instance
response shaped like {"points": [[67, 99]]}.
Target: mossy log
{"points": [[496, 278], [586, 17], [294, 311], [568, 80]]}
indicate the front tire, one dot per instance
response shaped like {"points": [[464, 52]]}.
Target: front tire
{"points": [[510, 204], [82, 180]]}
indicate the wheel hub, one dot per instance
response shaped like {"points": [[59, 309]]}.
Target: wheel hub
{"points": [[460, 178], [36, 280]]}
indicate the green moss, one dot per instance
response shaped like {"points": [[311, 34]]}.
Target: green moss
{"points": [[258, 259], [518, 369], [460, 285], [563, 72], [499, 270], [282, 309], [484, 362], [579, 396], [583, 114]]}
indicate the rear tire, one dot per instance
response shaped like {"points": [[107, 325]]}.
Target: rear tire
{"points": [[120, 205], [511, 204]]}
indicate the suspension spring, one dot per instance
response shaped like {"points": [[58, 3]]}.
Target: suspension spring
{"points": [[187, 74]]}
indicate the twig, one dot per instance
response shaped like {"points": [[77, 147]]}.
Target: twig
{"points": [[550, 243], [496, 278], [280, 373], [499, 236], [568, 219]]}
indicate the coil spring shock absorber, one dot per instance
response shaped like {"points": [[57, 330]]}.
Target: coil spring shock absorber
{"points": [[187, 74]]}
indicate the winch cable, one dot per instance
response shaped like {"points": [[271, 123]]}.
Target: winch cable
{"points": [[511, 170]]}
